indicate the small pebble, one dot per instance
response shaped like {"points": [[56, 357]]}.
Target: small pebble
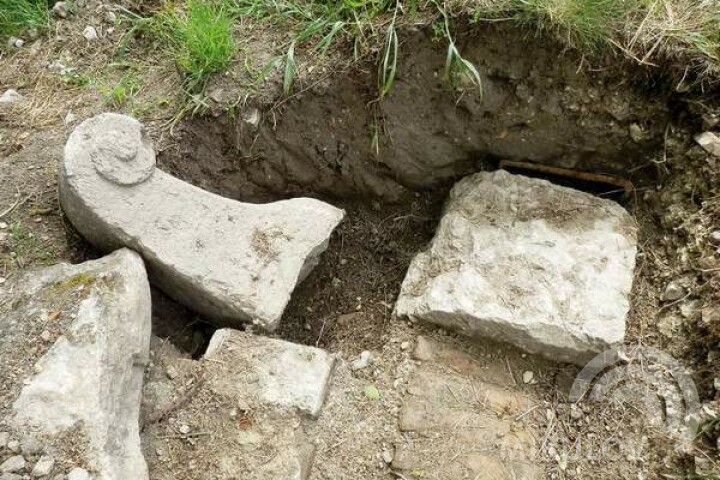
{"points": [[363, 360], [13, 446], [171, 373], [575, 412], [46, 336], [387, 456], [673, 291], [44, 466], [714, 237], [78, 474], [15, 42], [4, 439], [405, 345], [11, 96], [70, 118], [13, 464], [60, 9], [528, 377], [90, 33], [184, 429], [110, 17]]}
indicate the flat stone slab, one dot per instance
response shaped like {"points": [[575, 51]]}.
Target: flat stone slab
{"points": [[460, 423], [74, 343], [234, 262], [521, 260], [276, 372], [240, 412]]}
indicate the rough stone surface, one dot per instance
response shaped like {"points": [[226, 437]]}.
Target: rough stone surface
{"points": [[81, 391], [10, 476], [44, 466], [11, 96], [283, 374], [232, 261], [544, 267], [256, 394], [79, 474], [709, 142], [13, 464], [462, 421]]}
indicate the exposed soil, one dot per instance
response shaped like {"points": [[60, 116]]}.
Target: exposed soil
{"points": [[336, 138]]}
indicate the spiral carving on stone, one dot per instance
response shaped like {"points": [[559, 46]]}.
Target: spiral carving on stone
{"points": [[122, 153]]}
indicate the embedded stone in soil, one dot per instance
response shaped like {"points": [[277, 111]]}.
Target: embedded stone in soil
{"points": [[520, 260]]}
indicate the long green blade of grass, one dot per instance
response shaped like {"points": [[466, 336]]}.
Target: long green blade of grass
{"points": [[388, 65], [289, 75]]}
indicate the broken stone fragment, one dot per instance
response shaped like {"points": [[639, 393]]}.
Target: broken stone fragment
{"points": [[44, 466], [234, 262], [709, 142], [13, 464], [11, 96], [521, 260], [81, 392], [263, 391], [281, 373]]}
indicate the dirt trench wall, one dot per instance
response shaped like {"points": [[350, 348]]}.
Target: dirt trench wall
{"points": [[539, 104]]}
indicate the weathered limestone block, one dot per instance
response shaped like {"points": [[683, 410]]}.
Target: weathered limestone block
{"points": [[546, 268], [232, 261], [74, 342], [255, 394]]}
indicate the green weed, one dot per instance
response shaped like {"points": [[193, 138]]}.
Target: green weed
{"points": [[122, 92], [18, 15]]}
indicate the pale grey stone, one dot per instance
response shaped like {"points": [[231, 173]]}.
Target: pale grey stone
{"points": [[90, 379], [44, 466], [232, 261], [11, 96], [709, 142], [276, 372], [13, 464], [80, 474], [546, 268], [363, 360], [4, 439], [90, 33], [10, 476], [60, 9]]}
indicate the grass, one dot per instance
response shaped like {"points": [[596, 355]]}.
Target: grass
{"points": [[199, 33], [18, 15], [199, 36], [122, 92], [679, 33]]}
